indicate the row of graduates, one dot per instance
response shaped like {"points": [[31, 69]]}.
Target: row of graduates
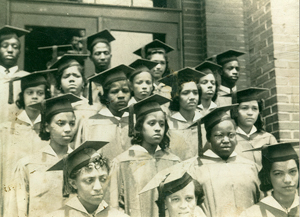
{"points": [[111, 124]]}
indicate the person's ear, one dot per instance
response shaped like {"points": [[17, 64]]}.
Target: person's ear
{"points": [[72, 182], [47, 127]]}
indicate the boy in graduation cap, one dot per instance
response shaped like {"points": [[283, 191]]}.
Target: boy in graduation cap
{"points": [[85, 175], [157, 51], [116, 94], [35, 192], [229, 181], [229, 73], [10, 49], [149, 154], [280, 174]]}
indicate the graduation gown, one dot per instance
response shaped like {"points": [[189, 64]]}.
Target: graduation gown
{"points": [[36, 192], [224, 100], [74, 208], [130, 173], [104, 126], [212, 106], [230, 187], [183, 140], [269, 207], [253, 140]]}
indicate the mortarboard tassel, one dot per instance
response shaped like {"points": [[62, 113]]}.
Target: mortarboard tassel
{"points": [[90, 93], [233, 101], [160, 201], [200, 146], [66, 185], [131, 121]]}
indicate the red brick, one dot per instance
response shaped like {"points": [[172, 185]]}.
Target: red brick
{"points": [[267, 67], [271, 83], [271, 101]]}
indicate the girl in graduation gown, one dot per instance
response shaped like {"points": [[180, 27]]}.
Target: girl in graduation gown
{"points": [[110, 124], [229, 181], [141, 80], [149, 154], [250, 133], [36, 192], [183, 112], [279, 173]]}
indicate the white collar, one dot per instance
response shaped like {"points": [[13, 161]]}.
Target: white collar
{"points": [[179, 117], [252, 131], [24, 117], [48, 150], [226, 89], [211, 106], [12, 70], [270, 200], [132, 101], [76, 204], [210, 153], [106, 112], [141, 148]]}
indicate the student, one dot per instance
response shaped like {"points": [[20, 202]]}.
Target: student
{"points": [[10, 49], [85, 175], [183, 112], [116, 94], [141, 80], [229, 181], [208, 87], [157, 51], [134, 168], [36, 192], [279, 173], [178, 193], [250, 132], [229, 73]]}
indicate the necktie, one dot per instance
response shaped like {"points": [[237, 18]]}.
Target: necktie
{"points": [[10, 90]]}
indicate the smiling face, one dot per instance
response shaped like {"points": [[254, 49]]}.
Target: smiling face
{"points": [[72, 81], [247, 114], [182, 203], [284, 178], [34, 95], [223, 139], [160, 68], [101, 56], [142, 85], [91, 186], [62, 128], [208, 86], [118, 96], [154, 128], [189, 96], [9, 52], [231, 71]]}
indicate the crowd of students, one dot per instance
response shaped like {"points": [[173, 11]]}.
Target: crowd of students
{"points": [[137, 140]]}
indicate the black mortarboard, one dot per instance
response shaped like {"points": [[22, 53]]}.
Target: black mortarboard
{"points": [[56, 105], [68, 60], [144, 107], [103, 36], [249, 94], [167, 182], [169, 80], [80, 157], [7, 32], [32, 79], [141, 65], [207, 67], [226, 57], [56, 50], [156, 46]]}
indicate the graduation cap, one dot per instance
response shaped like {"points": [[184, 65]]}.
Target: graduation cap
{"points": [[156, 46], [210, 120], [32, 79], [83, 155], [207, 67], [7, 32], [249, 94], [167, 182], [169, 79], [278, 152], [104, 36], [68, 60], [56, 105], [225, 57], [144, 107], [141, 65]]}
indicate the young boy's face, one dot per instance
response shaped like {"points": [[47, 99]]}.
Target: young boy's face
{"points": [[9, 52]]}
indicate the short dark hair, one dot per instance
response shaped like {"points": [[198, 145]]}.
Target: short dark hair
{"points": [[138, 137], [264, 174], [20, 101]]}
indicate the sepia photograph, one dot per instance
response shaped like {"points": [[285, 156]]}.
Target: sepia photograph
{"points": [[149, 108]]}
